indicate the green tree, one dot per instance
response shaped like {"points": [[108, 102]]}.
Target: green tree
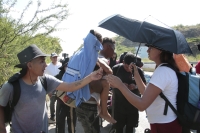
{"points": [[123, 45], [16, 34]]}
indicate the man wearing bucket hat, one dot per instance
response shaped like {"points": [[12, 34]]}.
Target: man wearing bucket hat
{"points": [[29, 114]]}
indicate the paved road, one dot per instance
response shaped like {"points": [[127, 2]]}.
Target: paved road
{"points": [[143, 123]]}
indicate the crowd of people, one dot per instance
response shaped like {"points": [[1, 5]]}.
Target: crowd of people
{"points": [[123, 78]]}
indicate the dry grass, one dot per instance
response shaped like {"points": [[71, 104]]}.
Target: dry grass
{"points": [[148, 69]]}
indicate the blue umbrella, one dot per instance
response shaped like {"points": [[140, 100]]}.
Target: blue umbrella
{"points": [[163, 38]]}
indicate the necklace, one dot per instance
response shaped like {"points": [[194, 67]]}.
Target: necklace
{"points": [[31, 79]]}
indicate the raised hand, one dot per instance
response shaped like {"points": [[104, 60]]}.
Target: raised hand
{"points": [[114, 81], [132, 67]]}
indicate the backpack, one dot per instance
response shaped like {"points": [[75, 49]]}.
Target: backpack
{"points": [[188, 97], [8, 109]]}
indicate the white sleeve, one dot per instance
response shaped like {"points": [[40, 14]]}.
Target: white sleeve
{"points": [[162, 77]]}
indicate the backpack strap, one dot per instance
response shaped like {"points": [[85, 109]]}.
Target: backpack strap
{"points": [[167, 102], [16, 92], [43, 82], [16, 96]]}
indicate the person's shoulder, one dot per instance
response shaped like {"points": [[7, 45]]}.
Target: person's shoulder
{"points": [[165, 70], [198, 63], [117, 65], [7, 86], [140, 70]]}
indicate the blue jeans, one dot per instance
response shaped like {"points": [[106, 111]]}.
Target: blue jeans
{"points": [[87, 115]]}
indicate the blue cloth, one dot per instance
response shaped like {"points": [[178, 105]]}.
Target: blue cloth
{"points": [[80, 65]]}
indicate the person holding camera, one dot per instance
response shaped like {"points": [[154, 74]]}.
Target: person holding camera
{"points": [[125, 113]]}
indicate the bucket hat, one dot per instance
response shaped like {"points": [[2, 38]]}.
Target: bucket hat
{"points": [[28, 54]]}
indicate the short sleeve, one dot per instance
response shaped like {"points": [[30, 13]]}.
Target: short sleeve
{"points": [[52, 83], [162, 77], [6, 93]]}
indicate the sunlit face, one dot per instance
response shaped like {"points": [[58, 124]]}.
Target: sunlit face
{"points": [[54, 59], [109, 49], [37, 66], [153, 53]]}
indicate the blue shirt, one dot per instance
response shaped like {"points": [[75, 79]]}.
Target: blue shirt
{"points": [[80, 65]]}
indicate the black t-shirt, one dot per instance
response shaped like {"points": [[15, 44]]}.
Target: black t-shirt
{"points": [[120, 102]]}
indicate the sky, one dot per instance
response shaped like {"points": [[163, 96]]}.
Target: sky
{"points": [[86, 14]]}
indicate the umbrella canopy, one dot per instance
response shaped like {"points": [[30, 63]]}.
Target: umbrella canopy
{"points": [[163, 38]]}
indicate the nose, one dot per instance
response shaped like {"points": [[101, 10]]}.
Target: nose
{"points": [[45, 64], [148, 49]]}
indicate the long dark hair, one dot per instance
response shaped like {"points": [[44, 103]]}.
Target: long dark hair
{"points": [[167, 57], [23, 72], [18, 75]]}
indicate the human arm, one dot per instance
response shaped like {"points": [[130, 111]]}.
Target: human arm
{"points": [[104, 66], [140, 84], [198, 68], [5, 93], [2, 124], [70, 87], [141, 103]]}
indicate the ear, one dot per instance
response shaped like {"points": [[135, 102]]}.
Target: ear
{"points": [[29, 65]]}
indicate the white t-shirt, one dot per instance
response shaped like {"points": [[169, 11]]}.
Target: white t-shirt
{"points": [[164, 78], [52, 69]]}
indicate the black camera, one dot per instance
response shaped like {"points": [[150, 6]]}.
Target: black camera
{"points": [[65, 55]]}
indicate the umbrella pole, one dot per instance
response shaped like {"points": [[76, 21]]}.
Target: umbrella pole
{"points": [[137, 53]]}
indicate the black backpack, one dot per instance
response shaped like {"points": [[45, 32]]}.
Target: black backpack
{"points": [[188, 88], [8, 109]]}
